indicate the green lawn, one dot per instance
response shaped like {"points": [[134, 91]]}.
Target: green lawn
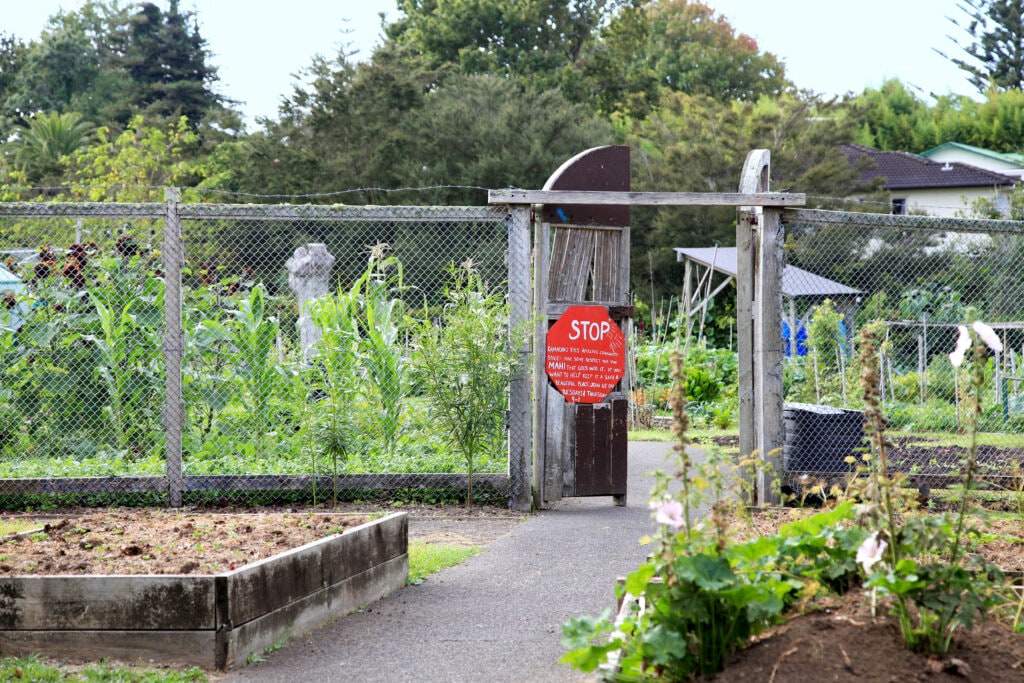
{"points": [[36, 670], [425, 559]]}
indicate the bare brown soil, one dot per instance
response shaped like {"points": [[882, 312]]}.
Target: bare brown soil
{"points": [[136, 541], [844, 642], [845, 639]]}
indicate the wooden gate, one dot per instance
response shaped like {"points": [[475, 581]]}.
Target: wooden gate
{"points": [[582, 258]]}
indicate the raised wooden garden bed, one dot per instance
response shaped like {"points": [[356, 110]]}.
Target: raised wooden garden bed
{"points": [[214, 621]]}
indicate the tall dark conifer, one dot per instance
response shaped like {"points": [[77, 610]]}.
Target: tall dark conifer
{"points": [[166, 58], [995, 53]]}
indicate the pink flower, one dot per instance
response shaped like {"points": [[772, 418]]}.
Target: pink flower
{"points": [[870, 551], [669, 512], [963, 342], [988, 335]]}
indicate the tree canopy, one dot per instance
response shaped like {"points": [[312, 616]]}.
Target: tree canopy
{"points": [[466, 95]]}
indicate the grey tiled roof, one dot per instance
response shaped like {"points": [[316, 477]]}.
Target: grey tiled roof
{"points": [[905, 171]]}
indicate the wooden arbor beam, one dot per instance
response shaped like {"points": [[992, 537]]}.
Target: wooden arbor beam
{"points": [[577, 197]]}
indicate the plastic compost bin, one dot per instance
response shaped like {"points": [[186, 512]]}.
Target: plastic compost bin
{"points": [[820, 438]]}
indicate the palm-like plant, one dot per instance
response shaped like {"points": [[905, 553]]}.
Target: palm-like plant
{"points": [[46, 139]]}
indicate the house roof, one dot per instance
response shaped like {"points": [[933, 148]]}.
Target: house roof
{"points": [[1011, 158], [905, 171], [796, 282]]}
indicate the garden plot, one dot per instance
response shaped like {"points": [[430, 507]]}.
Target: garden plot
{"points": [[213, 612]]}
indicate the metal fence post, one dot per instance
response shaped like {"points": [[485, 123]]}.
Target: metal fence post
{"points": [[519, 388], [173, 346]]}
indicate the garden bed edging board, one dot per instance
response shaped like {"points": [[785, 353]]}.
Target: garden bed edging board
{"points": [[211, 621]]}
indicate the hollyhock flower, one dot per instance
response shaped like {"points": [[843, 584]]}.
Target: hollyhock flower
{"points": [[988, 335], [870, 551], [669, 512], [963, 342]]}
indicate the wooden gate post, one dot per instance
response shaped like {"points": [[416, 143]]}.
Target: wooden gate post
{"points": [[566, 232], [759, 327]]}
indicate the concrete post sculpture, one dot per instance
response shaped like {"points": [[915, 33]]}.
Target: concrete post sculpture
{"points": [[309, 272]]}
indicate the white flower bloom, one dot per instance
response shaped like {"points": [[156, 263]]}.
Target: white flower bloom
{"points": [[963, 342], [988, 335], [870, 551], [669, 512]]}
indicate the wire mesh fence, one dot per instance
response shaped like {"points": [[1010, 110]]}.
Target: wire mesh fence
{"points": [[912, 280], [200, 353]]}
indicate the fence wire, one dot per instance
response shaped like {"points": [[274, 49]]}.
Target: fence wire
{"points": [[310, 351], [912, 280]]}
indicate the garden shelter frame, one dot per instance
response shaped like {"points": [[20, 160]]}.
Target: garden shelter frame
{"points": [[797, 285]]}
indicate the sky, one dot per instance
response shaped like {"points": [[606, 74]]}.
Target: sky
{"points": [[829, 46]]}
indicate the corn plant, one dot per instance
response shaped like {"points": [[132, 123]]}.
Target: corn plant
{"points": [[250, 333], [380, 350], [128, 353]]}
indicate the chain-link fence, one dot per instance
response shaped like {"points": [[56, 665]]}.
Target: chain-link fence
{"points": [[912, 280], [202, 353]]}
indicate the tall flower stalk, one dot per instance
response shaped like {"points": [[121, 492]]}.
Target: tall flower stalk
{"points": [[875, 424], [921, 562], [986, 339]]}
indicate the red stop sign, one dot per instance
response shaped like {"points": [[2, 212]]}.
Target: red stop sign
{"points": [[585, 354]]}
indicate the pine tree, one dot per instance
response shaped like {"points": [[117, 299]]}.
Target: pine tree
{"points": [[167, 61], [996, 50]]}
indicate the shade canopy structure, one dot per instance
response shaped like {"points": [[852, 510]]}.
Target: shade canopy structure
{"points": [[798, 285], [9, 282]]}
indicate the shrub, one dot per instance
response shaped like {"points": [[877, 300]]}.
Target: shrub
{"points": [[907, 387], [941, 379]]}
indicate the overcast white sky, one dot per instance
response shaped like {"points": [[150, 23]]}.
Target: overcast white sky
{"points": [[829, 46]]}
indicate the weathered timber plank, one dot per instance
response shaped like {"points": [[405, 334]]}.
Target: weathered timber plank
{"points": [[538, 431], [519, 401], [585, 465], [246, 482], [616, 311], [571, 258], [314, 610], [103, 602], [365, 546], [620, 446], [271, 584], [507, 196], [555, 444], [745, 246], [181, 648], [267, 585], [769, 350], [557, 254], [608, 259], [602, 450], [83, 485], [568, 452], [298, 482]]}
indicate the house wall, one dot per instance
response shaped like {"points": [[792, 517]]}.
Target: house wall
{"points": [[978, 161], [951, 202]]}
